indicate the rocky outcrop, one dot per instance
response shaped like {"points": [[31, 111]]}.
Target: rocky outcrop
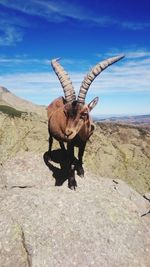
{"points": [[121, 151], [103, 223], [24, 133], [115, 150]]}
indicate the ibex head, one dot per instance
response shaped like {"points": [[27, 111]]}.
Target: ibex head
{"points": [[76, 112], [77, 115]]}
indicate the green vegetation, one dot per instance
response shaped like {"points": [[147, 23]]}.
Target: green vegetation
{"points": [[11, 112]]}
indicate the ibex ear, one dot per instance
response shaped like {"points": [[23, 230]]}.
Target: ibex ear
{"points": [[93, 103]]}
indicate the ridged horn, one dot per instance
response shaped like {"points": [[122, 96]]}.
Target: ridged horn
{"points": [[95, 71], [65, 81]]}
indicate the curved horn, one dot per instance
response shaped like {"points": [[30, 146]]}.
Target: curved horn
{"points": [[95, 71], [65, 81]]}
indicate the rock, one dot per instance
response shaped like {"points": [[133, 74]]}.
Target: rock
{"points": [[141, 203], [120, 151], [115, 150], [147, 196], [13, 250], [44, 225], [20, 134]]}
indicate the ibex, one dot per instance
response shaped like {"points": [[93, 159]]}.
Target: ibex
{"points": [[69, 118]]}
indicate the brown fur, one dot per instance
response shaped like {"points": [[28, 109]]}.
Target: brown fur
{"points": [[69, 119], [71, 123], [65, 121]]}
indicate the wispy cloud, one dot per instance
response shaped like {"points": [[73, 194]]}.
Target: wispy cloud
{"points": [[10, 35], [62, 11], [49, 10], [132, 54], [10, 28], [138, 54], [22, 63], [23, 60], [130, 75], [135, 25]]}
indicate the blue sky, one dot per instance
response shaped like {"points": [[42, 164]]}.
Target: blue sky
{"points": [[82, 33]]}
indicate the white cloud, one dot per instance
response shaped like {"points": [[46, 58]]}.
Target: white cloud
{"points": [[126, 76], [49, 10], [11, 32], [23, 60], [60, 11], [135, 25], [130, 77], [131, 74], [129, 54], [10, 35]]}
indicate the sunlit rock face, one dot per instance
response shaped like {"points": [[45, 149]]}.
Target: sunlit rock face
{"points": [[115, 150], [104, 223]]}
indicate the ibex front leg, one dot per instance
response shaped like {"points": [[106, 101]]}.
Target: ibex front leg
{"points": [[62, 146], [50, 146], [80, 170], [72, 184]]}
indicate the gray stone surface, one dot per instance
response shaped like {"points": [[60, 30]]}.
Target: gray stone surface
{"points": [[114, 150], [42, 225]]}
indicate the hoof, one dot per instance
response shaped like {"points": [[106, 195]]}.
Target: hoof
{"points": [[72, 184], [80, 172], [72, 187]]}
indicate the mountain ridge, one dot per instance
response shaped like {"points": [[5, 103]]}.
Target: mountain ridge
{"points": [[130, 119], [10, 99]]}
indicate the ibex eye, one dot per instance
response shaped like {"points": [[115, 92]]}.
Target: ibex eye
{"points": [[83, 115]]}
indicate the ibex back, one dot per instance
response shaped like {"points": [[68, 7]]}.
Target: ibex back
{"points": [[69, 118]]}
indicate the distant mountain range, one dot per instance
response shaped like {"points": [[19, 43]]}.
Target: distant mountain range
{"points": [[9, 99], [133, 119]]}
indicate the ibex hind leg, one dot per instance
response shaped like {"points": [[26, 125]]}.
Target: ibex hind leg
{"points": [[62, 147], [80, 170], [72, 184], [50, 140], [79, 167]]}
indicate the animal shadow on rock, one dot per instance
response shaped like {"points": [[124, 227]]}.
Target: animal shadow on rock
{"points": [[61, 174]]}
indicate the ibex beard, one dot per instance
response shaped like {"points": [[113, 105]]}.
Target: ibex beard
{"points": [[69, 118]]}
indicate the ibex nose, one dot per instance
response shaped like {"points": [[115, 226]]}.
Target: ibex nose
{"points": [[68, 132]]}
